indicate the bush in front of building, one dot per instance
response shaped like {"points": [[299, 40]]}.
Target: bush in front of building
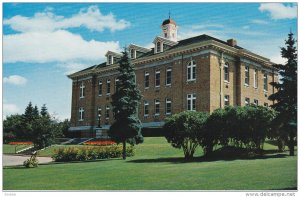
{"points": [[90, 153], [182, 131]]}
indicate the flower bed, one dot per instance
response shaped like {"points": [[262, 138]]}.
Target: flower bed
{"points": [[20, 143], [100, 143], [90, 153]]}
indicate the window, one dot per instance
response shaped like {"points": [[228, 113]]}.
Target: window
{"points": [[191, 102], [226, 100], [146, 108], [226, 72], [266, 104], [100, 88], [255, 79], [107, 86], [157, 78], [110, 59], [99, 113], [246, 75], [157, 103], [265, 82], [81, 113], [191, 71], [169, 76], [132, 53], [107, 112], [256, 102], [116, 84], [158, 47], [146, 81], [168, 106], [81, 92], [166, 35], [247, 101]]}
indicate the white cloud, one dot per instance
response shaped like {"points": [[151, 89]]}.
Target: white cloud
{"points": [[72, 67], [259, 22], [246, 27], [90, 18], [279, 10], [61, 46], [9, 109], [15, 80]]}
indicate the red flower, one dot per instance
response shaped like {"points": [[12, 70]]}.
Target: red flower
{"points": [[20, 143], [99, 143]]}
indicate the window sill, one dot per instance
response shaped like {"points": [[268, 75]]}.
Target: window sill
{"points": [[191, 81], [80, 120], [81, 97], [99, 94], [227, 82], [168, 85], [246, 85]]}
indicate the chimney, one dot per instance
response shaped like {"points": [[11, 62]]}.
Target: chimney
{"points": [[232, 42]]}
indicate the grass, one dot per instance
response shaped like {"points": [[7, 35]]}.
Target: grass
{"points": [[158, 166], [10, 149]]}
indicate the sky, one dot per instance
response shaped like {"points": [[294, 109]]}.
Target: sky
{"points": [[44, 42]]}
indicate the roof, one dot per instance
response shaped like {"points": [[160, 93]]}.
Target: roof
{"points": [[169, 21], [181, 43]]}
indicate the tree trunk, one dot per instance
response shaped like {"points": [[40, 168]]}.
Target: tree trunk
{"points": [[291, 147], [124, 149]]}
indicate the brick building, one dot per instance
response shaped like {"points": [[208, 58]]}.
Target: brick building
{"points": [[201, 73]]}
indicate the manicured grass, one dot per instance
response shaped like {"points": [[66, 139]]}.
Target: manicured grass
{"points": [[10, 149], [158, 166]]}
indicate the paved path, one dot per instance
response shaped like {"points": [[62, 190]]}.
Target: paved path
{"points": [[13, 160]]}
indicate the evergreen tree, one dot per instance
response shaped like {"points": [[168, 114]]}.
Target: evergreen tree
{"points": [[36, 112], [29, 113], [127, 126], [286, 96], [44, 111]]}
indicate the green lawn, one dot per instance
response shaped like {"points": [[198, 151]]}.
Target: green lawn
{"points": [[10, 149], [158, 166]]}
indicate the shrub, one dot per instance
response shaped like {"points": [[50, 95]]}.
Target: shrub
{"points": [[90, 153], [32, 162], [183, 129]]}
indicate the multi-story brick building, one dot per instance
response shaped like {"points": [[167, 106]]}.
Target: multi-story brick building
{"points": [[201, 73]]}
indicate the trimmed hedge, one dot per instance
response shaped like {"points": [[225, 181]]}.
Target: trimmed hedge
{"points": [[90, 153]]}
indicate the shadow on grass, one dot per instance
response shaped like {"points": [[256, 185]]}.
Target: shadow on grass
{"points": [[223, 154]]}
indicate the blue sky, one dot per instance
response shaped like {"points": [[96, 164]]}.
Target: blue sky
{"points": [[44, 42]]}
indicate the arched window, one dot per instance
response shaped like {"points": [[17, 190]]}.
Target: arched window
{"points": [[158, 48], [226, 72], [191, 71]]}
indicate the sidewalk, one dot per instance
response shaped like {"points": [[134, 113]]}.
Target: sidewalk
{"points": [[13, 160]]}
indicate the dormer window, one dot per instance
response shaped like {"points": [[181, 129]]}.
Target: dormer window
{"points": [[110, 59], [158, 47], [132, 54]]}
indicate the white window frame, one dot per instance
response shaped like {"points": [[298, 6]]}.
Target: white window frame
{"points": [[247, 101], [116, 83], [156, 103], [265, 82], [226, 99], [255, 102], [133, 53], [226, 72], [191, 69], [157, 72], [158, 46], [168, 101], [81, 114], [191, 102], [99, 111], [255, 78], [100, 85], [247, 80], [110, 59], [170, 71], [107, 116], [81, 91], [147, 75], [146, 104], [108, 87]]}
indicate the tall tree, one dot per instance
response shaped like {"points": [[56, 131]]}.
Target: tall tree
{"points": [[127, 126], [44, 110], [286, 96]]}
